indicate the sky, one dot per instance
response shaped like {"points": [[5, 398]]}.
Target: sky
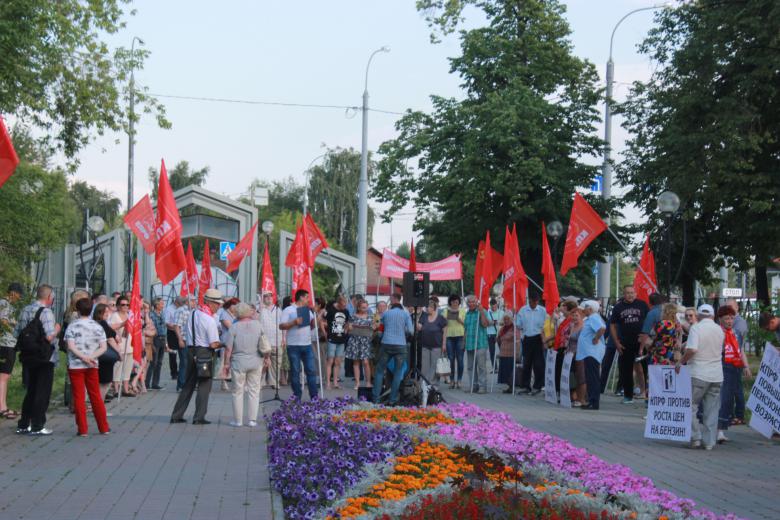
{"points": [[309, 52]]}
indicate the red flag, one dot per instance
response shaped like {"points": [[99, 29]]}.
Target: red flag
{"points": [[140, 219], [515, 279], [135, 319], [8, 158], [242, 250], [484, 271], [412, 260], [204, 282], [315, 237], [189, 282], [584, 226], [297, 259], [169, 258], [267, 283], [551, 296], [644, 287]]}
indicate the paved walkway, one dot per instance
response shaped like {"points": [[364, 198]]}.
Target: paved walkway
{"points": [[147, 469]]}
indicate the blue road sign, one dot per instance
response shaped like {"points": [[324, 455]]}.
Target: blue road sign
{"points": [[597, 182], [225, 248]]}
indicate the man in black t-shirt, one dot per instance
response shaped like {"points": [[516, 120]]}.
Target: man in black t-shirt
{"points": [[337, 319], [625, 325]]}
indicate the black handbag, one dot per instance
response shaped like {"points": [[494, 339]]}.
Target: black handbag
{"points": [[109, 357]]}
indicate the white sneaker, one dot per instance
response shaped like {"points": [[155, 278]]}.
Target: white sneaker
{"points": [[42, 431], [695, 445], [722, 437], [252, 424], [235, 424]]}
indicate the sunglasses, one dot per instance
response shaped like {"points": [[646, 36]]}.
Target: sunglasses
{"points": [[124, 305]]}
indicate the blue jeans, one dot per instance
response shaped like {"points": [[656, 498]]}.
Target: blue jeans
{"points": [[182, 377], [296, 354], [732, 398], [399, 354], [455, 352]]}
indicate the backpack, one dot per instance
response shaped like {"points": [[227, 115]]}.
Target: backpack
{"points": [[32, 345]]}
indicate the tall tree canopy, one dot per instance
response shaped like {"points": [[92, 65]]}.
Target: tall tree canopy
{"points": [[58, 73], [182, 175], [707, 126], [514, 149], [333, 197]]}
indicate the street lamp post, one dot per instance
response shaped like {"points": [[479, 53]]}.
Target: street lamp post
{"points": [[363, 184], [555, 230], [603, 285], [131, 155], [307, 173], [668, 204]]}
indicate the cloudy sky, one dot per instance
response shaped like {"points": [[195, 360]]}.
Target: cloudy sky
{"points": [[308, 52]]}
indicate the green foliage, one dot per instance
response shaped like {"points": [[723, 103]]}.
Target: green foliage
{"points": [[707, 126], [514, 149], [179, 177], [97, 202], [333, 197], [58, 74]]}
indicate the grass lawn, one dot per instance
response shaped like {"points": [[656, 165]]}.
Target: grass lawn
{"points": [[16, 390]]}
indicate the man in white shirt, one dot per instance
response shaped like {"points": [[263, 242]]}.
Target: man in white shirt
{"points": [[201, 342], [299, 349], [270, 317], [703, 355]]}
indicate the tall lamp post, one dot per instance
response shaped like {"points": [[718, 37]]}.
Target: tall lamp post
{"points": [[363, 185], [307, 173], [668, 204], [131, 155], [555, 230], [606, 167]]}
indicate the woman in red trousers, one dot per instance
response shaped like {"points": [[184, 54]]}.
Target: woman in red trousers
{"points": [[86, 342]]}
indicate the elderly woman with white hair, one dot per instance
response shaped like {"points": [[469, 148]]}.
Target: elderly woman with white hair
{"points": [[246, 352], [590, 350]]}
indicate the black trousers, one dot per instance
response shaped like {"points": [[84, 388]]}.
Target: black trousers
{"points": [[192, 381], [630, 352], [36, 401], [153, 372], [533, 359], [593, 380], [173, 344]]}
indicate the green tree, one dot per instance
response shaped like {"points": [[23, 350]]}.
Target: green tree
{"points": [[96, 202], [333, 197], [180, 176], [707, 126], [58, 74], [514, 149]]}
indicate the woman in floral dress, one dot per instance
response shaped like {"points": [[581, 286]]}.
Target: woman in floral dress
{"points": [[359, 343], [668, 336]]}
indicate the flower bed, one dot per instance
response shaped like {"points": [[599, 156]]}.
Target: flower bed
{"points": [[342, 459]]}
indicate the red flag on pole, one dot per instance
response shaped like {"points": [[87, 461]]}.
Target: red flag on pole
{"points": [[584, 226], [267, 283], [515, 279], [315, 237], [189, 282], [140, 219], [643, 286], [296, 258], [483, 272], [242, 250], [8, 158], [412, 260], [551, 296], [168, 251], [135, 325], [204, 281]]}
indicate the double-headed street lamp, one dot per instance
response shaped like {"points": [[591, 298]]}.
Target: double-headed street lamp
{"points": [[668, 204], [363, 185]]}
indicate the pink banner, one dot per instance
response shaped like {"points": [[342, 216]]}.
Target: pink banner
{"points": [[394, 266]]}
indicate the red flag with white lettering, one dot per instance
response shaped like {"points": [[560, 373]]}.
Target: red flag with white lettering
{"points": [[242, 250], [189, 282], [141, 221], [584, 226], [550, 295], [169, 258], [315, 237], [267, 284], [135, 319], [515, 279], [643, 286], [8, 158], [204, 281]]}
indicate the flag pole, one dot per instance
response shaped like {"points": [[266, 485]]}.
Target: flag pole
{"points": [[631, 256], [317, 335]]}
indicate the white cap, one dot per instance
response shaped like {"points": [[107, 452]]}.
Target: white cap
{"points": [[706, 310], [590, 304]]}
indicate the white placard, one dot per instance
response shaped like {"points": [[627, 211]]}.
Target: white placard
{"points": [[565, 386], [550, 395], [764, 400], [669, 405]]}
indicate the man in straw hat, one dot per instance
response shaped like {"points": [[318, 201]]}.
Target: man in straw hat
{"points": [[202, 338]]}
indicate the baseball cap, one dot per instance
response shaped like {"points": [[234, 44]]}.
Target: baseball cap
{"points": [[706, 310]]}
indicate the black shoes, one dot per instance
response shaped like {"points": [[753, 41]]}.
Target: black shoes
{"points": [[202, 421], [178, 421], [157, 387]]}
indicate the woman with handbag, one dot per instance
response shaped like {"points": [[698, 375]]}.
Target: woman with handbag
{"points": [[430, 329], [246, 351], [107, 360]]}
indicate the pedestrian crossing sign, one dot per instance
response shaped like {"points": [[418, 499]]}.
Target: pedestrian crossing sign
{"points": [[225, 248]]}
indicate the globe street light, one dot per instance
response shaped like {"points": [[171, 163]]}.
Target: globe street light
{"points": [[668, 204], [363, 184], [555, 230]]}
